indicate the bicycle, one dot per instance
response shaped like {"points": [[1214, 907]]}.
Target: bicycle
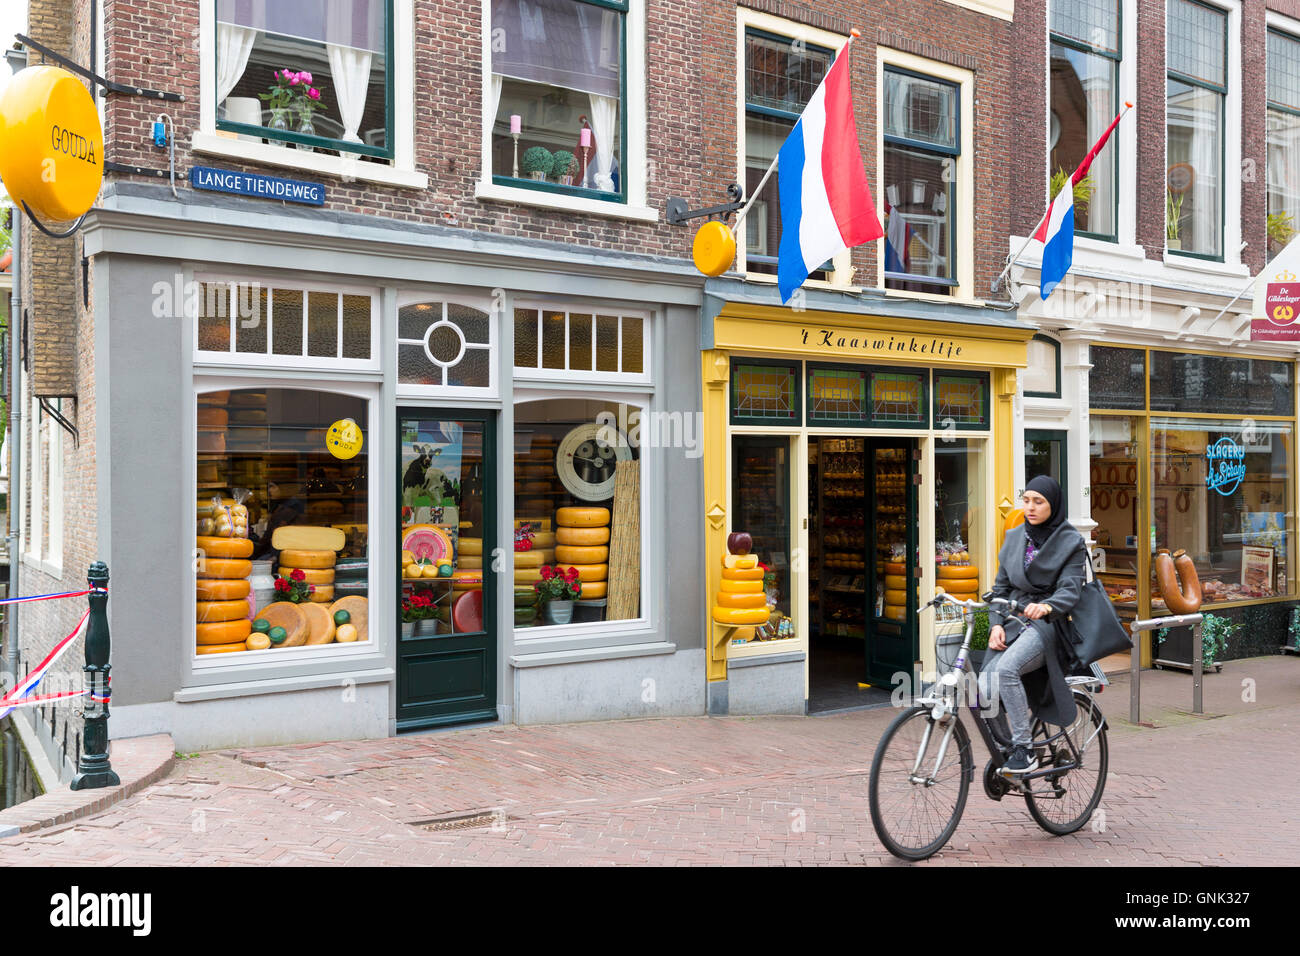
{"points": [[920, 780]]}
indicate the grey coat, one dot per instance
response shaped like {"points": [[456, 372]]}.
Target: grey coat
{"points": [[1056, 577]]}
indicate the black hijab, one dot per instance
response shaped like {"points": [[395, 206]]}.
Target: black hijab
{"points": [[1048, 487]]}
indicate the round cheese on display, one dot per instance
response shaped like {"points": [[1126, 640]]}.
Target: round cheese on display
{"points": [[581, 517], [224, 547], [895, 567], [896, 613], [740, 587], [209, 417], [579, 537], [727, 599], [473, 580], [528, 559], [292, 558], [358, 609], [956, 572], [526, 575], [223, 632], [320, 623], [896, 598], [225, 569], [214, 398], [593, 590], [958, 589], [323, 594], [742, 574], [468, 562], [472, 546], [257, 642], [896, 582], [212, 611], [221, 648], [573, 554], [740, 561], [740, 615], [345, 634], [288, 616], [543, 540], [590, 572], [310, 576], [206, 590]]}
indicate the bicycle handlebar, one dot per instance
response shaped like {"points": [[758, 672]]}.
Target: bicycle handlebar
{"points": [[988, 599]]}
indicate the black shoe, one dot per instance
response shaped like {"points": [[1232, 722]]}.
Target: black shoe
{"points": [[1023, 760]]}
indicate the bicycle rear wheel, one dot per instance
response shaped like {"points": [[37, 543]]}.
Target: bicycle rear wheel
{"points": [[915, 814], [1064, 803]]}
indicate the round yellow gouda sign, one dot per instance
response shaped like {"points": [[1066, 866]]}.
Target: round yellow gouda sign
{"points": [[714, 249], [344, 438], [51, 143]]}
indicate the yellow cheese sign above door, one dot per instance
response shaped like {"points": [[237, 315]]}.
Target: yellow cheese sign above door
{"points": [[51, 143]]}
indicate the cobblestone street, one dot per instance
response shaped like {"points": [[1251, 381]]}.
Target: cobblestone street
{"points": [[777, 790]]}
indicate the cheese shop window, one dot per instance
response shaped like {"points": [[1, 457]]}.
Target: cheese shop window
{"points": [[1222, 491], [443, 489], [961, 524], [577, 489], [281, 547], [761, 506]]}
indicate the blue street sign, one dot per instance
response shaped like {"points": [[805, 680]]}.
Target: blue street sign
{"points": [[256, 185]]}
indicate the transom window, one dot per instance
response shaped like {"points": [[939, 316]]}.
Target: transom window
{"points": [[445, 344], [312, 73], [553, 342]]}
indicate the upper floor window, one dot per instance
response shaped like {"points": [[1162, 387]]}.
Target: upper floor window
{"points": [[1195, 93], [559, 96], [1085, 57], [780, 78], [314, 73], [921, 125], [1283, 160]]}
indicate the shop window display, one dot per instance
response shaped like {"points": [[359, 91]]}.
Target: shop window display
{"points": [[760, 507], [577, 492], [282, 553], [959, 521]]}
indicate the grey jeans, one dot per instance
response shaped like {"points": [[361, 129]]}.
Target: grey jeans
{"points": [[1000, 680]]}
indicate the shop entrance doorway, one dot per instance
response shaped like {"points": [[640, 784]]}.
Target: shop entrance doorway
{"points": [[446, 651], [862, 534]]}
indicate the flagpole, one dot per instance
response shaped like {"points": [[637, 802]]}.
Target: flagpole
{"points": [[740, 217], [1014, 259]]}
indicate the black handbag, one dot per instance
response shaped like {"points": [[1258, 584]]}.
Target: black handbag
{"points": [[1095, 628]]}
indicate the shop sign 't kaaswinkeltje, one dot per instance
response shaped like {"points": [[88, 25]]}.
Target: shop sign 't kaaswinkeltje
{"points": [[1225, 466]]}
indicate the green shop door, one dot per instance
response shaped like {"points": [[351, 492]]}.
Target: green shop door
{"points": [[446, 651], [891, 646]]}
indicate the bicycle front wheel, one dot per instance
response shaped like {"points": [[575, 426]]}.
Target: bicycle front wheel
{"points": [[920, 777], [1063, 803]]}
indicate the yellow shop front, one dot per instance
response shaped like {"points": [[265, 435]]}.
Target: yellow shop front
{"points": [[869, 459]]}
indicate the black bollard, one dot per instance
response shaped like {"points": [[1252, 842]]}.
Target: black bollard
{"points": [[93, 769]]}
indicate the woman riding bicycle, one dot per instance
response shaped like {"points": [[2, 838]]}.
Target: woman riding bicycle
{"points": [[1041, 567]]}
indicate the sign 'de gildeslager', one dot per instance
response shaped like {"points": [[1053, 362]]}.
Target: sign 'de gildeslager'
{"points": [[1226, 461]]}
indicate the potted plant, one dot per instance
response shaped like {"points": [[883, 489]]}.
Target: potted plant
{"points": [[1173, 220], [557, 590], [537, 161], [1215, 631], [294, 588], [563, 168], [1281, 230], [417, 614], [1082, 189]]}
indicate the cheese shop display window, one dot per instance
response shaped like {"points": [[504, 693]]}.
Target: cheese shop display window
{"points": [[1222, 491], [577, 491], [960, 521], [443, 479], [761, 506], [282, 552]]}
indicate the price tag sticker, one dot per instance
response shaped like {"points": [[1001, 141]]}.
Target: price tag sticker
{"points": [[344, 439]]}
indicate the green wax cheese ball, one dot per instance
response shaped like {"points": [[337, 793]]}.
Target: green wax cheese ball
{"points": [[341, 618], [277, 635], [444, 570], [261, 625]]}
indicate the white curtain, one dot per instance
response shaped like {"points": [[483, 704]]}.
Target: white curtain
{"points": [[350, 70], [495, 104], [604, 117], [234, 46]]}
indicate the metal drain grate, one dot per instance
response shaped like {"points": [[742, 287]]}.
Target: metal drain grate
{"points": [[464, 822]]}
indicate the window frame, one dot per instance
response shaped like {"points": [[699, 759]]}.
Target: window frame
{"points": [[412, 390], [557, 376], [793, 365], [1056, 349], [985, 381], [1291, 34]]}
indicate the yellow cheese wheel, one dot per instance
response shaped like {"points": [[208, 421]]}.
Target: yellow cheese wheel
{"points": [[581, 517], [413, 571], [592, 590], [470, 546], [896, 613], [407, 558], [323, 594], [529, 559], [955, 572], [345, 634], [297, 558], [473, 580], [223, 632], [221, 648], [320, 624], [727, 599], [590, 572], [741, 587], [206, 590], [224, 568], [742, 574], [548, 555], [567, 554], [257, 642], [543, 540], [740, 615], [224, 547], [309, 537], [209, 417], [468, 562], [896, 598], [740, 560], [211, 611], [309, 576], [895, 567], [527, 575], [358, 609], [581, 537], [896, 582], [288, 616]]}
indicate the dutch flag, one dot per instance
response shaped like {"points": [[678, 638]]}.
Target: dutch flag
{"points": [[826, 203]]}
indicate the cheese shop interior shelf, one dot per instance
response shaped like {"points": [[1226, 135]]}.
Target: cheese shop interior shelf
{"points": [[838, 472]]}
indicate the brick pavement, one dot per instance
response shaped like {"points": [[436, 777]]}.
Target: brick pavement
{"points": [[770, 790]]}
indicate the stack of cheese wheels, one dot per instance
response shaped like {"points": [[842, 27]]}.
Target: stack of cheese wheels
{"points": [[962, 581], [313, 551], [221, 607], [895, 590], [740, 598], [582, 542], [468, 575]]}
